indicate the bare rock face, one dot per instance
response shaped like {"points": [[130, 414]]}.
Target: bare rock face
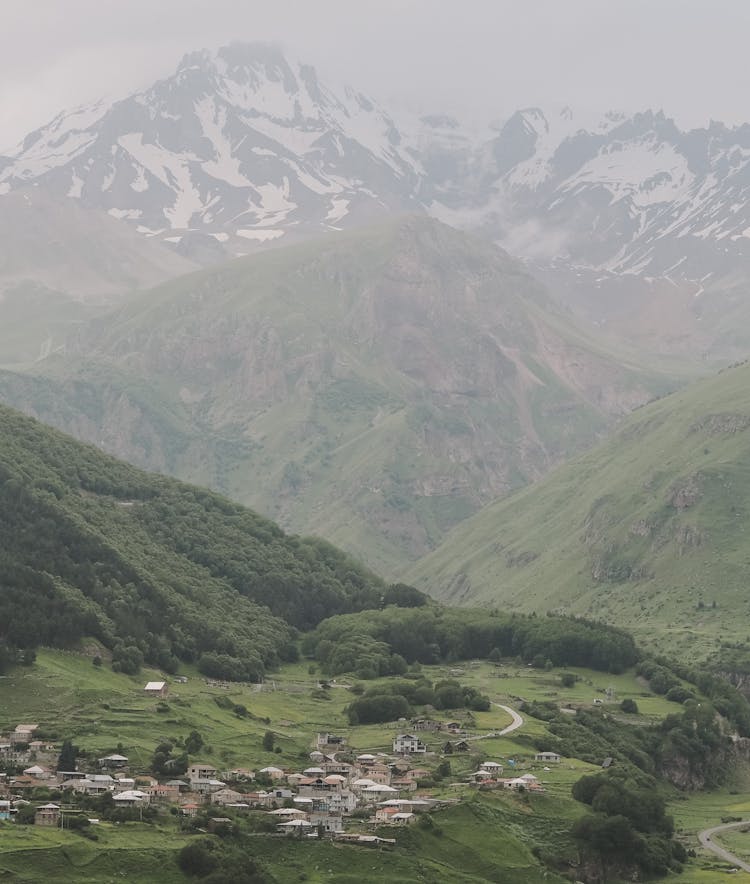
{"points": [[691, 775], [685, 493], [719, 424]]}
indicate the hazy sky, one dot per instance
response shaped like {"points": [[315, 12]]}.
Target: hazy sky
{"points": [[688, 57]]}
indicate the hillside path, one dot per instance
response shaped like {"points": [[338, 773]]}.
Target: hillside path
{"points": [[514, 725], [705, 838]]}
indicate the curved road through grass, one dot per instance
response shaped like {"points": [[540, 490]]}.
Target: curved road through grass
{"points": [[514, 725], [706, 839]]}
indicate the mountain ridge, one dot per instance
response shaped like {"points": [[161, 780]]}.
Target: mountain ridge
{"points": [[154, 569], [243, 149], [375, 386]]}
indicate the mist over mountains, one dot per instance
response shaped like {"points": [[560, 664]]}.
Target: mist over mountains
{"points": [[381, 385], [243, 148]]}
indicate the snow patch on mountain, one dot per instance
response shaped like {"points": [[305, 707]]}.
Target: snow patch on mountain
{"points": [[241, 133], [244, 139]]}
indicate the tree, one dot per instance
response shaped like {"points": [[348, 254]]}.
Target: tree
{"points": [[193, 743], [268, 741], [66, 760], [629, 705], [611, 840], [404, 596], [28, 657], [443, 770], [568, 679], [197, 859]]}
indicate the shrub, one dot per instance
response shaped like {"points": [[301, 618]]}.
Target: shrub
{"points": [[197, 859]]}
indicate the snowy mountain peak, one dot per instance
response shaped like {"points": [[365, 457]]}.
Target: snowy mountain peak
{"points": [[240, 145], [244, 146]]}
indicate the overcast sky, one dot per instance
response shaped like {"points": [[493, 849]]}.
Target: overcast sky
{"points": [[490, 57]]}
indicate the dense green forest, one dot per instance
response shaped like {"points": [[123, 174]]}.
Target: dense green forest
{"points": [[377, 643], [157, 570]]}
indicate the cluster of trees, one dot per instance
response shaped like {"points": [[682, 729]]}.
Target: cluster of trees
{"points": [[156, 570], [667, 677], [393, 636], [10, 655], [688, 748], [627, 831], [398, 699], [165, 762]]}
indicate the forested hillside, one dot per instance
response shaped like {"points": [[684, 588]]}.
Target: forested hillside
{"points": [[152, 568]]}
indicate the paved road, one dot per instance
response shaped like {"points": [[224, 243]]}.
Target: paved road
{"points": [[706, 839], [514, 725]]}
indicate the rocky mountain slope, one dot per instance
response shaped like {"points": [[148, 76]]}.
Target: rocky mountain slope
{"points": [[640, 224], [63, 246], [60, 262], [373, 387], [648, 529]]}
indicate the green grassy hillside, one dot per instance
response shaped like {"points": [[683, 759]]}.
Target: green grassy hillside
{"points": [[90, 546], [375, 387], [648, 530]]}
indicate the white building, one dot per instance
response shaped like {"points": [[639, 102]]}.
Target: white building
{"points": [[408, 744]]}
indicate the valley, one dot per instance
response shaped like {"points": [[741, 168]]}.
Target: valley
{"points": [[374, 479], [373, 387], [647, 529]]}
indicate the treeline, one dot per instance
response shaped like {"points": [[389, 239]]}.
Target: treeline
{"points": [[383, 642], [399, 699], [666, 677], [157, 570]]}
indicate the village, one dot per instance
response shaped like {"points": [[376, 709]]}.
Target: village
{"points": [[339, 794]]}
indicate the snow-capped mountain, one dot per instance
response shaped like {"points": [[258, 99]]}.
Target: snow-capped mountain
{"points": [[633, 195], [237, 143], [243, 147]]}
